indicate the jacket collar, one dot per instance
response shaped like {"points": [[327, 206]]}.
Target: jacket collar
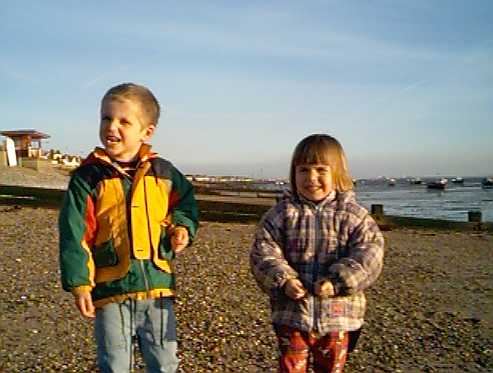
{"points": [[339, 197], [99, 155], [330, 197]]}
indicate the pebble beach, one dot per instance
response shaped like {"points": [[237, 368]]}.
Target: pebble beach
{"points": [[430, 311]]}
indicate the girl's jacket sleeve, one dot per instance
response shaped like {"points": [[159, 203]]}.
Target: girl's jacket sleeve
{"points": [[76, 228], [268, 264], [362, 264], [183, 206]]}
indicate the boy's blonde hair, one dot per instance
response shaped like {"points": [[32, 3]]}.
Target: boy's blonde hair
{"points": [[322, 149], [137, 93]]}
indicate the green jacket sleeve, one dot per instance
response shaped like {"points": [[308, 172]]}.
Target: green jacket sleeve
{"points": [[76, 231], [183, 208]]}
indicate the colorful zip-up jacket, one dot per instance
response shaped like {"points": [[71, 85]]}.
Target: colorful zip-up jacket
{"points": [[335, 240], [114, 229]]}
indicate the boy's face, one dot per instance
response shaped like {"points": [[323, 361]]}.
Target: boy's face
{"points": [[314, 181], [123, 129]]}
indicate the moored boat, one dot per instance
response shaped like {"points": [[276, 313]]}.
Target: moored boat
{"points": [[487, 183], [437, 184], [416, 181], [458, 180]]}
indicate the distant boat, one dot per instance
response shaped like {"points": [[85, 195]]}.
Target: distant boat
{"points": [[416, 181], [391, 182], [458, 180], [487, 183], [437, 184]]}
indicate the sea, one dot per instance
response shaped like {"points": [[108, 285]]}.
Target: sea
{"points": [[402, 198]]}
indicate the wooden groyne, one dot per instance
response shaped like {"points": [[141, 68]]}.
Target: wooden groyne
{"points": [[242, 207]]}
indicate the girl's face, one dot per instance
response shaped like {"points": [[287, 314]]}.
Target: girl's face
{"points": [[314, 181]]}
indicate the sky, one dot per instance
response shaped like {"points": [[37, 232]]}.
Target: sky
{"points": [[405, 86]]}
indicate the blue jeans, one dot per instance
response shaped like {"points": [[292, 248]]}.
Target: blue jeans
{"points": [[152, 321]]}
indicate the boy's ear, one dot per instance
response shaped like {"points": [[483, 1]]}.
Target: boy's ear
{"points": [[149, 131]]}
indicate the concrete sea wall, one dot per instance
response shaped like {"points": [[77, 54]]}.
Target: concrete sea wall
{"points": [[235, 208]]}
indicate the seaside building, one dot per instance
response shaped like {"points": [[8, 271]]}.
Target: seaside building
{"points": [[23, 148], [27, 142]]}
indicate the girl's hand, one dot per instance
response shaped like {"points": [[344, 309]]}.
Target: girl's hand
{"points": [[294, 289], [179, 239], [324, 288]]}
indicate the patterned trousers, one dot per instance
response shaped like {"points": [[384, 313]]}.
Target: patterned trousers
{"points": [[328, 352]]}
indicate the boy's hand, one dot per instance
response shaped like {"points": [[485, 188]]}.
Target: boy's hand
{"points": [[179, 239], [83, 301], [324, 288], [294, 289]]}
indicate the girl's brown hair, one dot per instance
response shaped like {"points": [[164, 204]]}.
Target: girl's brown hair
{"points": [[322, 149]]}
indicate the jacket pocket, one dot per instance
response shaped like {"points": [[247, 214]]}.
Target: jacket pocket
{"points": [[104, 255]]}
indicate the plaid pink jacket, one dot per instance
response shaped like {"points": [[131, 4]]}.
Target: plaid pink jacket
{"points": [[335, 239]]}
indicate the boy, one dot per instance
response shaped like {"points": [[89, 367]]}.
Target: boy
{"points": [[125, 216]]}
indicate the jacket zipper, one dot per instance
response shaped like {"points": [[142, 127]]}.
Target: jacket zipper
{"points": [[316, 268], [146, 282], [141, 261], [129, 216]]}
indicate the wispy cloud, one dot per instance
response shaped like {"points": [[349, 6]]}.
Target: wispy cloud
{"points": [[104, 76], [7, 71], [413, 86]]}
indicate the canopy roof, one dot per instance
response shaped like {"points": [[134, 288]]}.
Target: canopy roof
{"points": [[33, 134]]}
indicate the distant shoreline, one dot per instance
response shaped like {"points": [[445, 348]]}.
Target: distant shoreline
{"points": [[217, 196]]}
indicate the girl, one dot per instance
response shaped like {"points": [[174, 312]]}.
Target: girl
{"points": [[314, 254]]}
